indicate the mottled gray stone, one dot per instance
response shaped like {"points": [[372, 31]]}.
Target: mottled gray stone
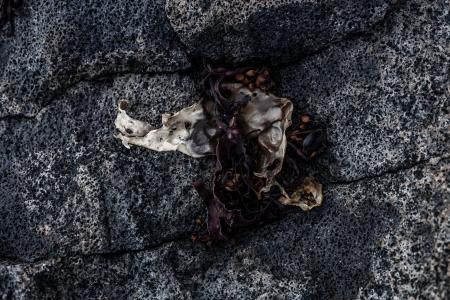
{"points": [[277, 30], [57, 43], [83, 217], [383, 238], [130, 276], [67, 185], [384, 98]]}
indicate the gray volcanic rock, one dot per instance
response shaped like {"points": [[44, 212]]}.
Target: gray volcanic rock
{"points": [[380, 238], [57, 43], [67, 185], [83, 217], [279, 30], [384, 98]]}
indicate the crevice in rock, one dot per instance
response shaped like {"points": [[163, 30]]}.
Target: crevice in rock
{"points": [[9, 260], [392, 171], [119, 252], [184, 237], [97, 78], [197, 61], [106, 220], [350, 36]]}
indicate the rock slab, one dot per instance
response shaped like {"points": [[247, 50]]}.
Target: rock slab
{"points": [[82, 217]]}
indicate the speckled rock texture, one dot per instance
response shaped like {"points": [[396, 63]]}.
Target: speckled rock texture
{"points": [[367, 242], [82, 217], [384, 97], [278, 30], [73, 188], [58, 43]]}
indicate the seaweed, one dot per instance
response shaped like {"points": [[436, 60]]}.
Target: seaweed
{"points": [[259, 172], [241, 194]]}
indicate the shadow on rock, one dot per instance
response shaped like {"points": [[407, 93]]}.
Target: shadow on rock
{"points": [[325, 254]]}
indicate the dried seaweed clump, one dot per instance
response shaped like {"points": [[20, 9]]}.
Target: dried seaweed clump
{"points": [[186, 131], [9, 9], [259, 155]]}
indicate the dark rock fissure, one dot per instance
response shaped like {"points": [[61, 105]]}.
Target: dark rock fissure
{"points": [[186, 237], [198, 62], [407, 166], [98, 78]]}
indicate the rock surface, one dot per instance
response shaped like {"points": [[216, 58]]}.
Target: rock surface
{"points": [[365, 239], [278, 30], [69, 186], [83, 217], [384, 97], [59, 43]]}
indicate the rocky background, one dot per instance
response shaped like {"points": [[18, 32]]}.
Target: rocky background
{"points": [[82, 217]]}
